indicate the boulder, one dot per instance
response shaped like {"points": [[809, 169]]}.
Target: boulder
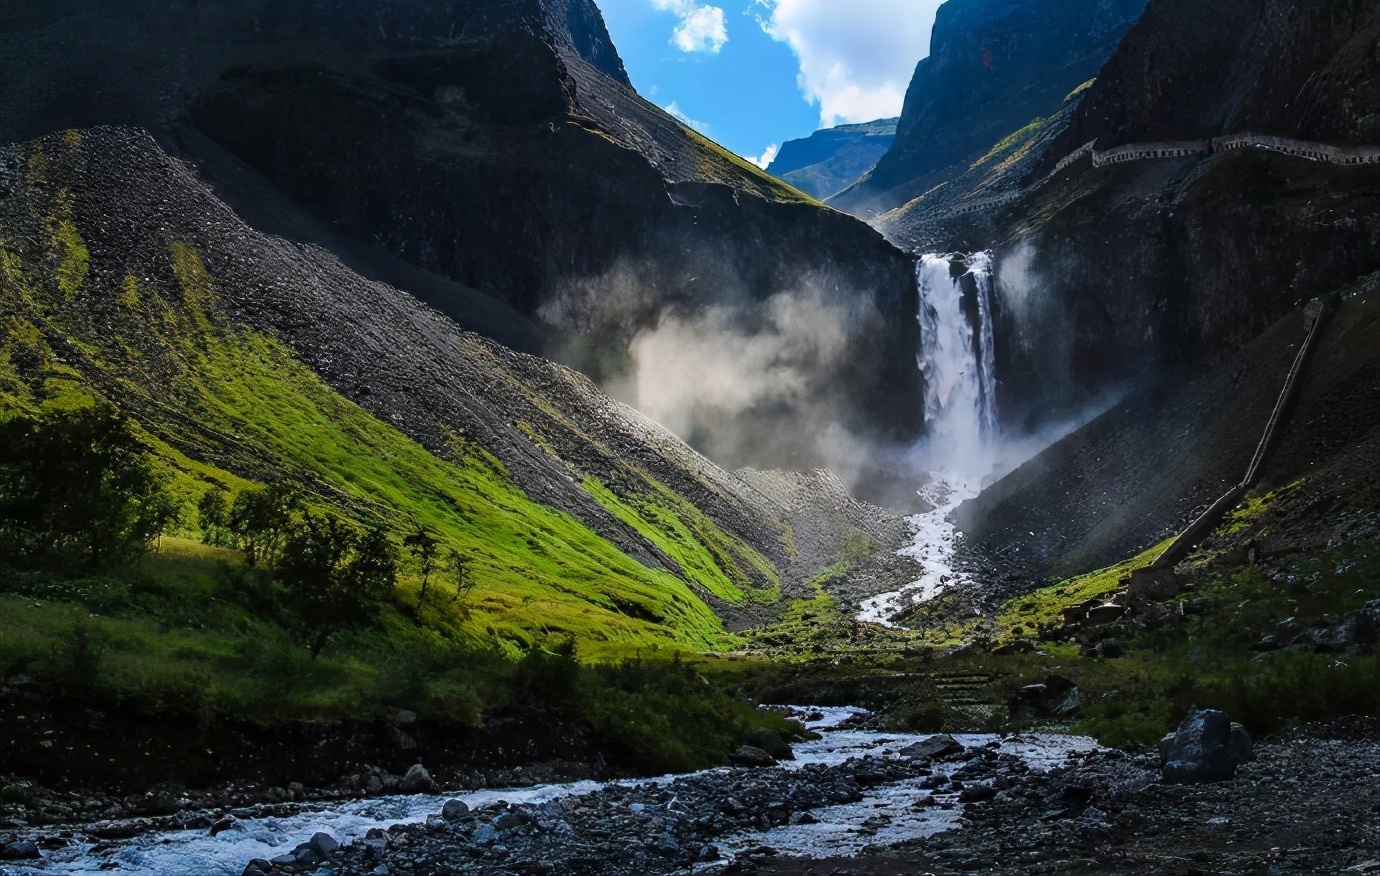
{"points": [[1152, 584], [977, 792], [21, 850], [771, 742], [934, 748], [1111, 649], [417, 781], [1201, 750], [454, 810], [323, 844], [751, 756], [257, 867], [1106, 613]]}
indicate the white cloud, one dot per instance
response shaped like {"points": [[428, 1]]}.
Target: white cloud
{"points": [[765, 158], [701, 29], [856, 58], [681, 117]]}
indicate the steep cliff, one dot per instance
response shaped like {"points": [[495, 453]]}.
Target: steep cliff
{"points": [[994, 65], [827, 161], [1177, 275], [491, 157]]}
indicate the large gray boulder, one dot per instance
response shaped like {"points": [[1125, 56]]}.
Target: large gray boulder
{"points": [[1201, 750], [417, 781]]}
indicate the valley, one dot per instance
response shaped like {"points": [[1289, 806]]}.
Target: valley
{"points": [[421, 452]]}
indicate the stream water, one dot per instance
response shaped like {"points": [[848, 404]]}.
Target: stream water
{"points": [[958, 361], [884, 817]]}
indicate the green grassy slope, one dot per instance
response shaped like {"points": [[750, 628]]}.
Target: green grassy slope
{"points": [[225, 406]]}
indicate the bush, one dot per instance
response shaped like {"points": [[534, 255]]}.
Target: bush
{"points": [[77, 492]]}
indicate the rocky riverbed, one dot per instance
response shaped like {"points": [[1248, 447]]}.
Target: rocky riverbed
{"points": [[847, 791], [855, 801]]}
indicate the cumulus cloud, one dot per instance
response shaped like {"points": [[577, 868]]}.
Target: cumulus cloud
{"points": [[856, 59], [765, 158], [679, 115], [701, 28]]}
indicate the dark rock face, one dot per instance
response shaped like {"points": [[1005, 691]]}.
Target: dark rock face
{"points": [[491, 156], [1293, 68], [827, 161], [994, 65], [1201, 749]]}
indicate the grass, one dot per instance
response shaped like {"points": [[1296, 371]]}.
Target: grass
{"points": [[1008, 142], [224, 406], [1043, 606], [712, 157]]}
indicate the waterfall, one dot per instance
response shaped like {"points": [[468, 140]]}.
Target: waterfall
{"points": [[958, 361]]}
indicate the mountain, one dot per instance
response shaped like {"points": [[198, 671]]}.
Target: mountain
{"points": [[491, 158], [1181, 276], [994, 65], [246, 358], [825, 162]]}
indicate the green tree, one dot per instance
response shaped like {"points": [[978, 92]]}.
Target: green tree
{"points": [[425, 548], [213, 515], [260, 520], [459, 564], [335, 577], [78, 491]]}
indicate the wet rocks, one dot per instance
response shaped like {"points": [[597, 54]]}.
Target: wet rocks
{"points": [[454, 810], [935, 748], [21, 850]]}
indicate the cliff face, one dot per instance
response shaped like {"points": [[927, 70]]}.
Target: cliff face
{"points": [[1183, 277], [490, 156], [1191, 71], [994, 65], [827, 161]]}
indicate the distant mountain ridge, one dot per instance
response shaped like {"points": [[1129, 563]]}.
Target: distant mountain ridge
{"points": [[994, 65], [828, 160]]}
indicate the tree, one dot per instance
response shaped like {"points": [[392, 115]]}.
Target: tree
{"points": [[460, 573], [78, 491], [260, 519], [213, 514], [424, 547], [334, 577]]}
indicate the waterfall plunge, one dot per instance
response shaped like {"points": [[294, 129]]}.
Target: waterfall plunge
{"points": [[958, 362]]}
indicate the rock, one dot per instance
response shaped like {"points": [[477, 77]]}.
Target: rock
{"points": [[484, 834], [1201, 750], [1153, 584], [802, 818], [934, 748], [223, 825], [1111, 649], [257, 867], [751, 756], [454, 810], [417, 781], [507, 821], [323, 844], [21, 850], [1166, 745], [977, 792], [1106, 613], [771, 742], [296, 791]]}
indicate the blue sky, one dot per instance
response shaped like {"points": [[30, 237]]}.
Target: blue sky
{"points": [[751, 74]]}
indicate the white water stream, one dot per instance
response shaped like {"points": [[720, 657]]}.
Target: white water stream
{"points": [[958, 361], [841, 830]]}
